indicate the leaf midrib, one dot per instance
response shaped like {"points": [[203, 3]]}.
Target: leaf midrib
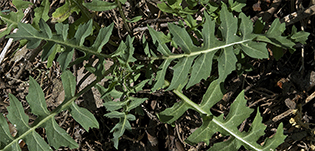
{"points": [[217, 122], [66, 43], [176, 56]]}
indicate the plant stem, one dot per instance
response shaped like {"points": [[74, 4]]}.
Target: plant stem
{"points": [[124, 17], [176, 56], [191, 103], [187, 100]]}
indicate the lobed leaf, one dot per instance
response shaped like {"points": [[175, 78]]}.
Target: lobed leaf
{"points": [[228, 127], [18, 118], [56, 136], [54, 41], [237, 5], [274, 36], [195, 63], [123, 124], [212, 96]]}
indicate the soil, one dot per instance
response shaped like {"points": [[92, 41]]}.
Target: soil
{"points": [[282, 90]]}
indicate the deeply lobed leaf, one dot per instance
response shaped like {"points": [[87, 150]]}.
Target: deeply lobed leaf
{"points": [[198, 60], [54, 41], [228, 127], [56, 136]]}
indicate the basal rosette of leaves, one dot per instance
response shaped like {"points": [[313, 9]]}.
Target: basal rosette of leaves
{"points": [[222, 40]]}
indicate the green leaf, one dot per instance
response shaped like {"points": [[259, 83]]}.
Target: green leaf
{"points": [[52, 56], [98, 5], [160, 39], [228, 25], [84, 117], [48, 49], [276, 140], [65, 58], [58, 136], [139, 86], [44, 27], [83, 31], [103, 37], [6, 135], [18, 118], [34, 38], [62, 13], [69, 84], [226, 63], [160, 76], [182, 39], [237, 5], [135, 102], [203, 64], [135, 19], [62, 30], [16, 115], [113, 105], [175, 4], [11, 20], [300, 36], [274, 35], [123, 1], [253, 49], [191, 22], [125, 52], [115, 114], [36, 99], [37, 143], [181, 70], [41, 12], [119, 129], [165, 8], [20, 4], [212, 96], [198, 60], [27, 31], [171, 114], [228, 127]]}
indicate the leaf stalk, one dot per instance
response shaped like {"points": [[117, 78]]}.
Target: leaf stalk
{"points": [[191, 103]]}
